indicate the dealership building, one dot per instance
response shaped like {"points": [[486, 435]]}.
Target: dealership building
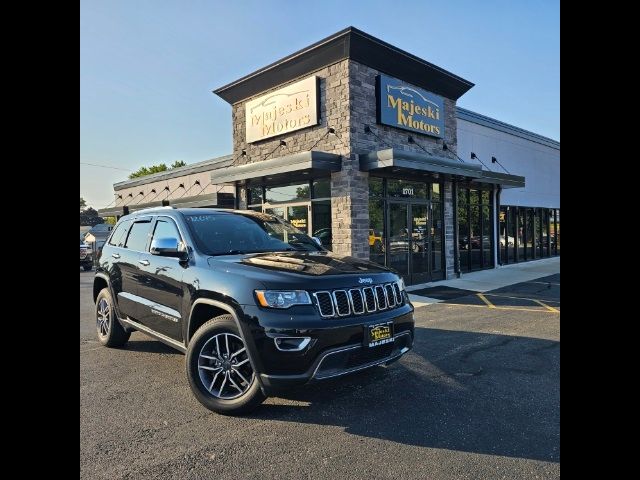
{"points": [[361, 144]]}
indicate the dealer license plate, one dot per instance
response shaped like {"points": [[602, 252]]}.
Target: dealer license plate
{"points": [[379, 334]]}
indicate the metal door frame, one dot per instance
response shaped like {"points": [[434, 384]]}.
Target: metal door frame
{"points": [[409, 202]]}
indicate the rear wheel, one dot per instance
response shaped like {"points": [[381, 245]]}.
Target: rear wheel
{"points": [[110, 332], [219, 370]]}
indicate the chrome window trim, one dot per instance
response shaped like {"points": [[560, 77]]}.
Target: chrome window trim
{"points": [[335, 303], [333, 310], [364, 307], [375, 302]]}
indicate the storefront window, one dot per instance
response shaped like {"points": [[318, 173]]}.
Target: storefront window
{"points": [[530, 233], [463, 228], [322, 188], [376, 187], [254, 195], [520, 237], [321, 212], [487, 244], [406, 189], [287, 193], [436, 238], [376, 231], [299, 217], [558, 231], [474, 231], [435, 192]]}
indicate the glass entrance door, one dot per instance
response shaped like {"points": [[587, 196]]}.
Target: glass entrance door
{"points": [[415, 242], [420, 243], [398, 238]]}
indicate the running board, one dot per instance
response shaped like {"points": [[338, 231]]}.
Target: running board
{"points": [[152, 333]]}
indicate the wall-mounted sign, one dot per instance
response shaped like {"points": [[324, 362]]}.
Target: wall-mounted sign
{"points": [[282, 111], [411, 108]]}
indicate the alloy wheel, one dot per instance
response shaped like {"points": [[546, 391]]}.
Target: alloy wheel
{"points": [[103, 313], [224, 367]]}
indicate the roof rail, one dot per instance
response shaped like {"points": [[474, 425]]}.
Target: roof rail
{"points": [[164, 207]]}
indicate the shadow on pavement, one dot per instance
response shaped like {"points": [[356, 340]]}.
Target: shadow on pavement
{"points": [[150, 346], [465, 391]]}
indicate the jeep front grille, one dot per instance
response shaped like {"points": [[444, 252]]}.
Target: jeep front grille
{"points": [[325, 303], [358, 301]]}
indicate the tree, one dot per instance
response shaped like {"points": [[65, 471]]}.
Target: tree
{"points": [[82, 203], [162, 167], [89, 216]]}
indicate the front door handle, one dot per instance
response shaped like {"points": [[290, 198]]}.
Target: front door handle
{"points": [[143, 262], [115, 255]]}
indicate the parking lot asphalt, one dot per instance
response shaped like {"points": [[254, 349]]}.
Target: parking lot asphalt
{"points": [[477, 397]]}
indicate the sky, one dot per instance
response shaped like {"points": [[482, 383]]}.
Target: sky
{"points": [[147, 68]]}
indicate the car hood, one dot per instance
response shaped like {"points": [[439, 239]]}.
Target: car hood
{"points": [[305, 263]]}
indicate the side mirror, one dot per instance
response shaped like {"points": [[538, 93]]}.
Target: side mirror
{"points": [[317, 240], [167, 247]]}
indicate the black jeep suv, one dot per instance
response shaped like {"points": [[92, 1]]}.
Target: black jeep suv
{"points": [[254, 303]]}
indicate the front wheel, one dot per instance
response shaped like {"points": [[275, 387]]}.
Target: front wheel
{"points": [[219, 370]]}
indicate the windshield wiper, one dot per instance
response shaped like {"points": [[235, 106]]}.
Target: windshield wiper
{"points": [[230, 252]]}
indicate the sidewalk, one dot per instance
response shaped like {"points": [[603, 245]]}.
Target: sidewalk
{"points": [[486, 280]]}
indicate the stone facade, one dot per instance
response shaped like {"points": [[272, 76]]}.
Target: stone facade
{"points": [[334, 112], [347, 103]]}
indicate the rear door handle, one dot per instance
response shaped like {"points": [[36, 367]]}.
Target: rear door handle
{"points": [[143, 262], [115, 255]]}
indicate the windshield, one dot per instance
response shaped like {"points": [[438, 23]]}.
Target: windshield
{"points": [[226, 233]]}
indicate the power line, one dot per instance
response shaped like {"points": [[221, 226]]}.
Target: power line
{"points": [[105, 166]]}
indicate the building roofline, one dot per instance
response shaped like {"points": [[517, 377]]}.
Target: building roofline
{"points": [[477, 118], [174, 172], [349, 43]]}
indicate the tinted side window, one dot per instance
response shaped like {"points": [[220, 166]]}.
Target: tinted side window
{"points": [[119, 234], [138, 236], [166, 229]]}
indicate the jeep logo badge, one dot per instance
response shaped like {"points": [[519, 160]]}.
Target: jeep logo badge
{"points": [[365, 280]]}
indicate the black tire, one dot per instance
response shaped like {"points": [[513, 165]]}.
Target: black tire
{"points": [[110, 332], [246, 401], [87, 267]]}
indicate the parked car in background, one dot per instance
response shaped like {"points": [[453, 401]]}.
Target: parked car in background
{"points": [[375, 241], [509, 240], [85, 259]]}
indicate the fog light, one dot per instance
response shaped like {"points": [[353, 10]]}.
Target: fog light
{"points": [[291, 344]]}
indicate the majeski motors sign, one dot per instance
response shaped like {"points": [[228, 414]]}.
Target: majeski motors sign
{"points": [[282, 111], [405, 106]]}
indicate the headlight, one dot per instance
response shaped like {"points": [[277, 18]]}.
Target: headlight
{"points": [[282, 298], [401, 284]]}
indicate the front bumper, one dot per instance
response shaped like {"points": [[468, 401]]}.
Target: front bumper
{"points": [[336, 346], [342, 361]]}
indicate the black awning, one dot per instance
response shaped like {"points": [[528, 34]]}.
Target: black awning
{"points": [[394, 160], [506, 180], [412, 163], [304, 163]]}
